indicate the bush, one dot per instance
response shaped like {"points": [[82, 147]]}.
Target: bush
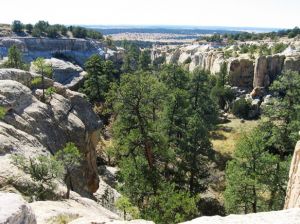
{"points": [[29, 28], [241, 108], [43, 170], [2, 112]]}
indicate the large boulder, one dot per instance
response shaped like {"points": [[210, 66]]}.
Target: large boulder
{"points": [[15, 210], [66, 73], [292, 199], [32, 127], [291, 216]]}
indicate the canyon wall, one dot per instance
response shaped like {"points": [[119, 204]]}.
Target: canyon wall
{"points": [[244, 71], [78, 50], [292, 199]]}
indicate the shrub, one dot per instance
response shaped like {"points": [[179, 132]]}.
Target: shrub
{"points": [[43, 171], [241, 108], [36, 81], [2, 112], [125, 205]]}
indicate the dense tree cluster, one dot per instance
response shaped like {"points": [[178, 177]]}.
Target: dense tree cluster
{"points": [[161, 138], [44, 29], [258, 174]]}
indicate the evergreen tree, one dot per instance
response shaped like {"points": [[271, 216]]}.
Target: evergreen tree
{"points": [[70, 158], [45, 70], [255, 179], [100, 74], [14, 58]]}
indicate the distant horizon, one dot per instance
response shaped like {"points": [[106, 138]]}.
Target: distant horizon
{"points": [[230, 13]]}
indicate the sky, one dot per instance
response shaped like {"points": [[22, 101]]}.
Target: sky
{"points": [[233, 13]]}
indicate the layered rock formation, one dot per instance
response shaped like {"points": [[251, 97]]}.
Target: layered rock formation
{"points": [[292, 199], [78, 50], [244, 72], [241, 72], [15, 210], [31, 127], [267, 69]]}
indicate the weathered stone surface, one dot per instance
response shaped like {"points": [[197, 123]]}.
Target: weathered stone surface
{"points": [[38, 127], [66, 73], [15, 210], [241, 72], [291, 216], [267, 69], [292, 199], [17, 75], [292, 63], [79, 211]]}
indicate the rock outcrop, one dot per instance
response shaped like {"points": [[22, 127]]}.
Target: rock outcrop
{"points": [[241, 72], [266, 70], [66, 73], [15, 210], [244, 71], [291, 216], [292, 199], [31, 127]]}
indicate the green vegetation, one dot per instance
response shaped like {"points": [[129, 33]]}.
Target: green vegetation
{"points": [[49, 91], [278, 48], [44, 29], [45, 70], [255, 179], [36, 81], [257, 176], [2, 112], [15, 59], [100, 75], [17, 26], [221, 93], [70, 158], [241, 108], [161, 139], [123, 204], [44, 170]]}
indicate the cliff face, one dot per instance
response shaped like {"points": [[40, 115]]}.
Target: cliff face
{"points": [[292, 199], [77, 49], [244, 72], [31, 127]]}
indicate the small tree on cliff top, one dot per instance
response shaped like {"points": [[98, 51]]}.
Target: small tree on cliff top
{"points": [[45, 70]]}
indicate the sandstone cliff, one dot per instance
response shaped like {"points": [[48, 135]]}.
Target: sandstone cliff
{"points": [[31, 127], [244, 71], [292, 199], [78, 50]]}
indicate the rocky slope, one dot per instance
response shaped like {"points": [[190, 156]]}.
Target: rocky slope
{"points": [[31, 127], [76, 210], [245, 71]]}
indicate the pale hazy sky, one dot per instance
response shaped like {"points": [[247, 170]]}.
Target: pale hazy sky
{"points": [[252, 13]]}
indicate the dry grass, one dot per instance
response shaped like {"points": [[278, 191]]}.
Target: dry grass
{"points": [[226, 136]]}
